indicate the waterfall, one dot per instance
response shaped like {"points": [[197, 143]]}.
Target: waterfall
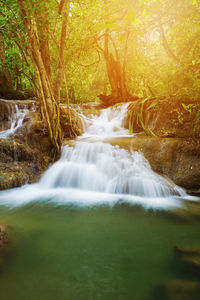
{"points": [[16, 115], [92, 172], [108, 124]]}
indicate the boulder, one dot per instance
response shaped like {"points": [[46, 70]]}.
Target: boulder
{"points": [[189, 257]]}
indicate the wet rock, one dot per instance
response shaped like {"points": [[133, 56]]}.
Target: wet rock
{"points": [[189, 257], [190, 210], [8, 107], [110, 100], [18, 164], [177, 158], [72, 126], [178, 290], [26, 156], [13, 151], [15, 175], [6, 244], [189, 261], [89, 105]]}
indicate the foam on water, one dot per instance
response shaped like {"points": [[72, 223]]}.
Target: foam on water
{"points": [[95, 173]]}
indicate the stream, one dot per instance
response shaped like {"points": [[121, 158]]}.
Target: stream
{"points": [[100, 224]]}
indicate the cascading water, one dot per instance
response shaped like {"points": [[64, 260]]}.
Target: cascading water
{"points": [[108, 124], [16, 118], [95, 173]]}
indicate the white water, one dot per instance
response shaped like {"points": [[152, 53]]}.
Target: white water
{"points": [[108, 124], [95, 173], [16, 120]]}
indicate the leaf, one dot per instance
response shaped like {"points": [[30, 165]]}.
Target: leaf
{"points": [[101, 26], [194, 2], [145, 13], [130, 17]]}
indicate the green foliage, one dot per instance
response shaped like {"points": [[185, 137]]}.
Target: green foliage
{"points": [[188, 107], [149, 69], [137, 117]]}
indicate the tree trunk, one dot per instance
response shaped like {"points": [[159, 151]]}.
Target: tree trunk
{"points": [[43, 34], [115, 73], [3, 62], [166, 45], [61, 62], [49, 105]]}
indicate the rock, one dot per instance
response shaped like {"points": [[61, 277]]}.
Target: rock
{"points": [[6, 244], [13, 151], [190, 210], [71, 128], [178, 159], [15, 175], [165, 117], [8, 107], [178, 290], [29, 152], [24, 158], [89, 105], [189, 257], [110, 100], [18, 164]]}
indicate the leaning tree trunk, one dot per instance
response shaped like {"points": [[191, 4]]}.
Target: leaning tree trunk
{"points": [[42, 17], [49, 105], [115, 73], [61, 62], [3, 62]]}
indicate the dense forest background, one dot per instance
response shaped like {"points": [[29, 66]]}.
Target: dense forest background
{"points": [[155, 43], [72, 51]]}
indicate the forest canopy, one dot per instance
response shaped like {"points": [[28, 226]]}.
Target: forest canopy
{"points": [[154, 43], [72, 51]]}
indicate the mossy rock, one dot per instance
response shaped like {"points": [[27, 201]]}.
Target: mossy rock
{"points": [[6, 244], [189, 258], [178, 290]]}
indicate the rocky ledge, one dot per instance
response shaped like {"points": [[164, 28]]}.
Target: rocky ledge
{"points": [[176, 158]]}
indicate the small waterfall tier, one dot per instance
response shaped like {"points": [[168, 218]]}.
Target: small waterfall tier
{"points": [[104, 168], [12, 115]]}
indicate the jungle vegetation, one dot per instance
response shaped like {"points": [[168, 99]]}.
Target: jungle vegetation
{"points": [[73, 50]]}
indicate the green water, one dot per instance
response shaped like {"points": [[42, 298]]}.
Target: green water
{"points": [[85, 254]]}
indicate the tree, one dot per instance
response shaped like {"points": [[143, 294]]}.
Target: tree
{"points": [[5, 70]]}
